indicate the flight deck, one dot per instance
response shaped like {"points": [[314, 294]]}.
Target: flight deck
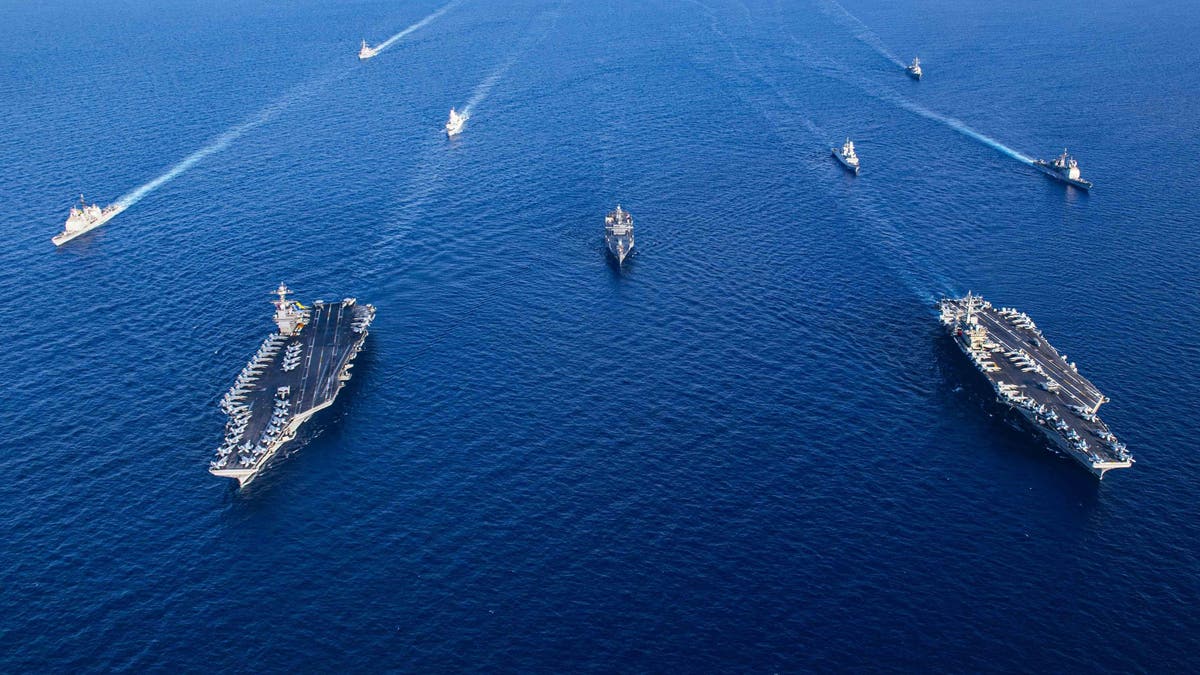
{"points": [[1034, 380], [297, 371]]}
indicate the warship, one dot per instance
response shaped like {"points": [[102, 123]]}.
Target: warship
{"points": [[1038, 387], [297, 371], [455, 124], [847, 157], [1064, 168], [618, 233], [85, 219], [366, 52], [914, 69]]}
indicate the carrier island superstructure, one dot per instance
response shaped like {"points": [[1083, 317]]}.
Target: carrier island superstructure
{"points": [[1036, 383], [297, 371]]}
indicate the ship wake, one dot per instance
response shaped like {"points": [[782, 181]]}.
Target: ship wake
{"points": [[920, 272], [224, 140], [838, 71], [959, 126], [546, 20], [837, 12], [416, 26]]}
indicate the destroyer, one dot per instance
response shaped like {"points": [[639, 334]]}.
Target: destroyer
{"points": [[914, 69], [1036, 383], [1064, 168], [454, 125], [296, 372], [618, 233], [85, 219], [366, 51], [847, 157]]}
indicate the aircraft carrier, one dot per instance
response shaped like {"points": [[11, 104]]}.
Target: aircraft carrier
{"points": [[297, 371], [1034, 381]]}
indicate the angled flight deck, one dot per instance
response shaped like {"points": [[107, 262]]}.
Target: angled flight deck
{"points": [[295, 373], [1033, 379]]}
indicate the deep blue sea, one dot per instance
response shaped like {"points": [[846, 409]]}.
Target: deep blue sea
{"points": [[751, 449]]}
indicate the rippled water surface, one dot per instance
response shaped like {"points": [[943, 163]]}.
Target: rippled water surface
{"points": [[749, 449]]}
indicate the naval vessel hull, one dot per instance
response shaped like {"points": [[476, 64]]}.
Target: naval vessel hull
{"points": [[1034, 383], [305, 371], [64, 236], [1022, 421], [913, 74], [1040, 165], [619, 247], [842, 160]]}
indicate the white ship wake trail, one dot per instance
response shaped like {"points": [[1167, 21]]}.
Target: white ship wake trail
{"points": [[427, 179], [223, 141], [959, 126], [416, 26], [549, 17], [481, 92], [834, 9], [301, 91], [913, 267], [755, 73], [839, 72]]}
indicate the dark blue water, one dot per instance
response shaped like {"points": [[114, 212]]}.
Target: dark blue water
{"points": [[750, 449]]}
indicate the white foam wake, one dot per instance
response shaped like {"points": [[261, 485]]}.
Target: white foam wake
{"points": [[863, 34], [262, 117], [221, 142], [961, 127], [484, 88], [839, 72], [548, 19], [416, 26]]}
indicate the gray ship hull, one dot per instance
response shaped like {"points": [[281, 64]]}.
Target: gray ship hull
{"points": [[619, 246], [1044, 167], [842, 160]]}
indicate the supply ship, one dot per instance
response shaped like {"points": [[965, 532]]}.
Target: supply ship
{"points": [[297, 371], [85, 219], [618, 233], [366, 52], [1064, 168], [847, 156], [914, 69], [1040, 389]]}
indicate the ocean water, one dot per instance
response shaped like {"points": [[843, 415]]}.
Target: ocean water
{"points": [[751, 449]]}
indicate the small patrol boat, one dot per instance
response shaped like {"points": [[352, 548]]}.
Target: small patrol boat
{"points": [[1063, 168], [914, 69], [846, 156], [366, 51], [454, 125], [618, 233], [85, 219]]}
